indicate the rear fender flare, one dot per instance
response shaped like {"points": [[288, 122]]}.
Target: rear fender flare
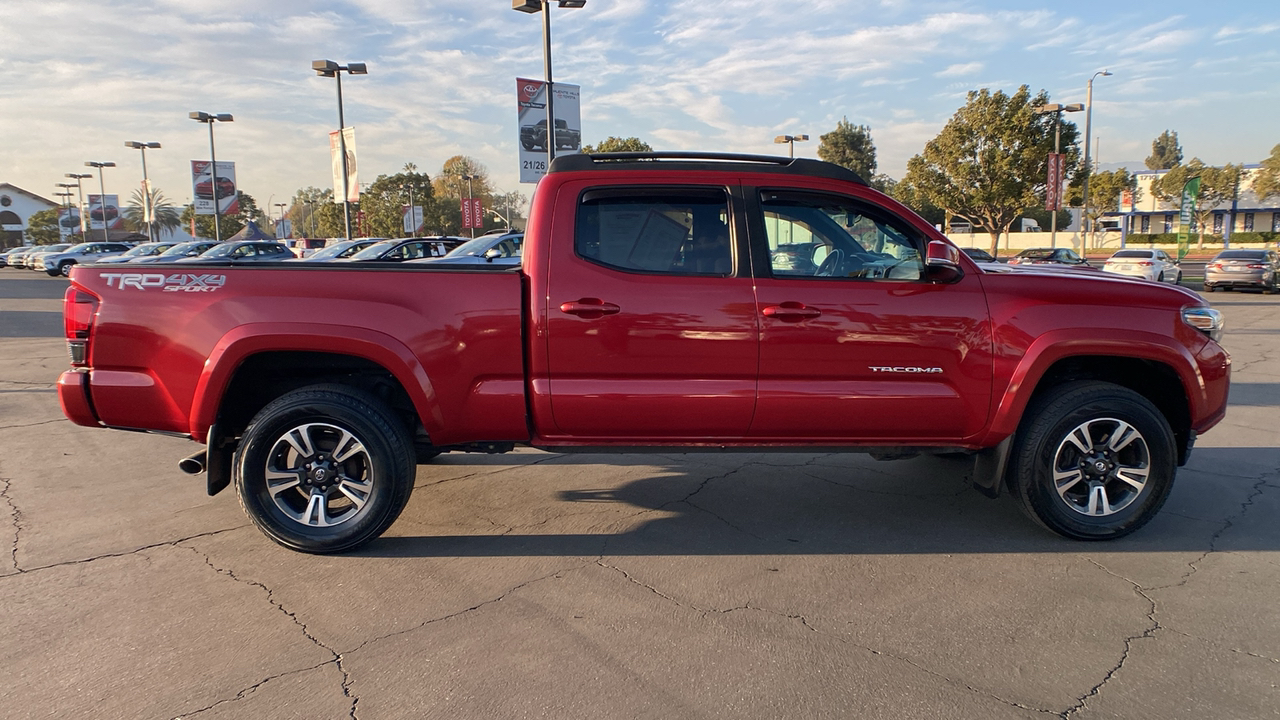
{"points": [[247, 340]]}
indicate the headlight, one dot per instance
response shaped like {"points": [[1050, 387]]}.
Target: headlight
{"points": [[1205, 319]]}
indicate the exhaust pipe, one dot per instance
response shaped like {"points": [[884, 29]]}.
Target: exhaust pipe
{"points": [[193, 465]]}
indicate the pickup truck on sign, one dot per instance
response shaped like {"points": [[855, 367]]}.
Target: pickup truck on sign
{"points": [[691, 302]]}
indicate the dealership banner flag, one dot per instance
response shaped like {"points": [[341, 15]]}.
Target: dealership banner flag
{"points": [[531, 125], [335, 155], [206, 186], [1187, 213], [411, 219], [105, 214], [472, 213], [68, 220], [1053, 186]]}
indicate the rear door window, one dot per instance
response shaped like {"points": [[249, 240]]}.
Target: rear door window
{"points": [[679, 231]]}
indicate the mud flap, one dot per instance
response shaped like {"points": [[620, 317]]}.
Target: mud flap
{"points": [[989, 467], [218, 457]]}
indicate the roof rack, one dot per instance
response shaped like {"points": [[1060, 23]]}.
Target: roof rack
{"points": [[703, 161]]}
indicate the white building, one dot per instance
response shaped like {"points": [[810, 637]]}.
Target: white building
{"points": [[16, 208], [1151, 216]]}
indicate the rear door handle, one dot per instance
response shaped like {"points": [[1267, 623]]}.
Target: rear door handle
{"points": [[791, 312], [589, 308]]}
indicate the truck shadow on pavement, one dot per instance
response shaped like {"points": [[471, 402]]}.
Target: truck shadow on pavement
{"points": [[825, 505]]}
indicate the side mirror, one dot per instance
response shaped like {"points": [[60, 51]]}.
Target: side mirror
{"points": [[942, 262], [492, 254]]}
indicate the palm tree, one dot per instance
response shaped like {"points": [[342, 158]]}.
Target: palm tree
{"points": [[164, 215]]}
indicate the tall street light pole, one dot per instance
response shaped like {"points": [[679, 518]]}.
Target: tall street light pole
{"points": [[1057, 111], [282, 206], [80, 208], [1088, 169], [102, 198], [329, 68], [544, 6], [790, 141], [210, 119], [146, 184]]}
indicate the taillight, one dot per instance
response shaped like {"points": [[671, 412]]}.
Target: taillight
{"points": [[1256, 266], [1145, 263], [78, 311]]}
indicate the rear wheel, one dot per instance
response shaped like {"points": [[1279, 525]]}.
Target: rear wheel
{"points": [[324, 469], [1093, 461]]}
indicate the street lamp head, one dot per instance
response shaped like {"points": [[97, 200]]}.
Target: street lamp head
{"points": [[573, 3], [79, 176], [66, 185], [1106, 73], [138, 145], [1050, 108], [357, 69], [224, 117], [326, 68], [801, 138], [527, 6], [199, 116], [783, 139], [91, 163], [1073, 107]]}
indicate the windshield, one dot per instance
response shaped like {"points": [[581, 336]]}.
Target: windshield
{"points": [[375, 251], [474, 247], [220, 250], [1132, 254], [330, 251], [181, 248], [1038, 254], [143, 249]]}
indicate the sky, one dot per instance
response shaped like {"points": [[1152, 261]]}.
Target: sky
{"points": [[79, 78]]}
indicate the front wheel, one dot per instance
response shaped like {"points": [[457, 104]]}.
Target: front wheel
{"points": [[64, 268], [324, 469], [1093, 461]]}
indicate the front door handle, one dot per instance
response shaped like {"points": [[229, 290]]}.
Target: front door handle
{"points": [[791, 312], [589, 308]]}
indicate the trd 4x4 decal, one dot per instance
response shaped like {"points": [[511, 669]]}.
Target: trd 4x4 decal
{"points": [[178, 282]]}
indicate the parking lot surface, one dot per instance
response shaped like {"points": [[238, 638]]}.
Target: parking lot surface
{"points": [[535, 585]]}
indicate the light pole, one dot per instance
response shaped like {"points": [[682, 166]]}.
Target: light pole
{"points": [[210, 119], [791, 141], [282, 206], [544, 6], [80, 208], [1088, 169], [146, 184], [102, 188], [329, 68], [1057, 111]]}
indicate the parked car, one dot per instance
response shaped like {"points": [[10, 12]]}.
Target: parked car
{"points": [[204, 188], [139, 251], [11, 253], [60, 263], [978, 254], [492, 249], [339, 250], [32, 260], [1243, 269], [191, 248], [400, 250], [242, 251], [304, 247], [16, 257], [1050, 256], [646, 314], [1150, 264]]}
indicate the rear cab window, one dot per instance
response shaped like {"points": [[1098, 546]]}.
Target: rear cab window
{"points": [[676, 231]]}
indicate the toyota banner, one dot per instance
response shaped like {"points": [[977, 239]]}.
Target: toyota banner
{"points": [[532, 124]]}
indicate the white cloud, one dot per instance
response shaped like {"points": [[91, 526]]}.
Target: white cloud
{"points": [[960, 70]]}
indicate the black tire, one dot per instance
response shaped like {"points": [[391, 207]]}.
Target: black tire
{"points": [[1080, 506], [64, 267], [1160, 277], [378, 468]]}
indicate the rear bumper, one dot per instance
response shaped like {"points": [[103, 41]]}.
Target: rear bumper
{"points": [[73, 395], [1237, 279]]}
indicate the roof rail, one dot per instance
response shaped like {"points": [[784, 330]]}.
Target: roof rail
{"points": [[703, 161]]}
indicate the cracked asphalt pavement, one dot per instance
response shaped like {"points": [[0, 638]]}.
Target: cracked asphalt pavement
{"points": [[533, 585]]}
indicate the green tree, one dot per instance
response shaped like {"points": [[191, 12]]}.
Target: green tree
{"points": [[850, 146], [1165, 151], [989, 164], [228, 224], [164, 215], [385, 199], [42, 227], [1217, 185], [617, 144], [1266, 183], [1105, 191], [449, 186], [511, 205]]}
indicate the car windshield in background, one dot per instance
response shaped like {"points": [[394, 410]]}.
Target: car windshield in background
{"points": [[1243, 255], [180, 249], [473, 247], [1132, 254], [220, 250], [374, 251], [328, 252]]}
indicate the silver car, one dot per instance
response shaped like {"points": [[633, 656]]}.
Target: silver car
{"points": [[31, 260], [1243, 269], [60, 263]]}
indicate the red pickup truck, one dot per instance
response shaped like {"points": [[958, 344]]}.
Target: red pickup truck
{"points": [[685, 301]]}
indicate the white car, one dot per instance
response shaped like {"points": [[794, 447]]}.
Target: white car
{"points": [[1149, 264], [60, 263]]}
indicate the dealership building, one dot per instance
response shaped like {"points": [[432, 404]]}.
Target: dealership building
{"points": [[1149, 215], [16, 208]]}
